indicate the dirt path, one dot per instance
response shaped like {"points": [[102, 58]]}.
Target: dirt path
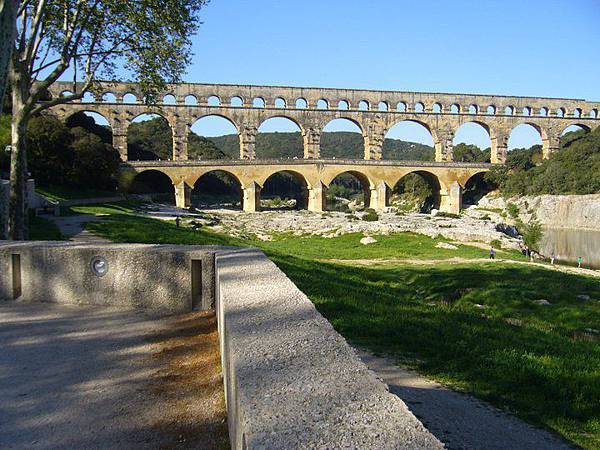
{"points": [[458, 260], [458, 420]]}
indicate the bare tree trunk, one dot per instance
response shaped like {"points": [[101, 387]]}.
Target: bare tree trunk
{"points": [[8, 11], [18, 213]]}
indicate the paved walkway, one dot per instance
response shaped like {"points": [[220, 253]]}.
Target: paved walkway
{"points": [[73, 228], [82, 377], [460, 421]]}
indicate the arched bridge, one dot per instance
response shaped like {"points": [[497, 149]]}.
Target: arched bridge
{"points": [[374, 112], [377, 178]]}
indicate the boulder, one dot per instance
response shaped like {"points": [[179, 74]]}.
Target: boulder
{"points": [[583, 297], [368, 240], [446, 246], [542, 302]]}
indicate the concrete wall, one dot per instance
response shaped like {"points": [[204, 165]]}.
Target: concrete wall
{"points": [[291, 381], [4, 185], [139, 276]]}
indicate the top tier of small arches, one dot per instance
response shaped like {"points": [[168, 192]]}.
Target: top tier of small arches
{"points": [[346, 104]]}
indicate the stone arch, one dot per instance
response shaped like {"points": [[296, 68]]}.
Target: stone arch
{"points": [[108, 97], [98, 127], [322, 104], [491, 110], [169, 99], [283, 128], [539, 135], [475, 187], [351, 185], [144, 147], [236, 101], [153, 182], [258, 102], [402, 131], [342, 124], [419, 107], [207, 126], [213, 100], [437, 108], [88, 97], [383, 106], [301, 103], [344, 105], [473, 127], [364, 105], [280, 102], [473, 109], [217, 187], [572, 132], [421, 187], [401, 107], [130, 98], [191, 100], [454, 108], [284, 184]]}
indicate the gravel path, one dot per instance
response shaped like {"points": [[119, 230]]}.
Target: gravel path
{"points": [[460, 421], [74, 377]]}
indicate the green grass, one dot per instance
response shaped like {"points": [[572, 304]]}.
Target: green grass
{"points": [[41, 229], [59, 193], [519, 356]]}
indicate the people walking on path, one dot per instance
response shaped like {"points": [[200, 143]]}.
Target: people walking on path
{"points": [[552, 259], [579, 261], [177, 221], [492, 253]]}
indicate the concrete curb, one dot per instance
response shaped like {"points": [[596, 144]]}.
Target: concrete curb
{"points": [[291, 380]]}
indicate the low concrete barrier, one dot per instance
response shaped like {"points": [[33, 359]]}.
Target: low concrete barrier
{"points": [[172, 279], [291, 380]]}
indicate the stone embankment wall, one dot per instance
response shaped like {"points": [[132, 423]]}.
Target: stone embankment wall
{"points": [[555, 211]]}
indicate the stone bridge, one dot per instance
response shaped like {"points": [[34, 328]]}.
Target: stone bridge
{"points": [[377, 178], [374, 112]]}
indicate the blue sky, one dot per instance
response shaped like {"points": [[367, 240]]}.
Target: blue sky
{"points": [[526, 47]]}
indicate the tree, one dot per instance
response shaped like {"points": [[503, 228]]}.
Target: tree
{"points": [[8, 14], [148, 40]]}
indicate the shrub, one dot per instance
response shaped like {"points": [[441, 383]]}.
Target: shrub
{"points": [[448, 215], [370, 216], [513, 210], [496, 243]]}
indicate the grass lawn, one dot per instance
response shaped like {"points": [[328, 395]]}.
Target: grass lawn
{"points": [[58, 193], [473, 326]]}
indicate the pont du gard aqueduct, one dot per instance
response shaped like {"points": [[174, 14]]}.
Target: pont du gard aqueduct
{"points": [[374, 112]]}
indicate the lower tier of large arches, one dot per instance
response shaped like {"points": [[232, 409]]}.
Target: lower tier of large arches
{"points": [[309, 185]]}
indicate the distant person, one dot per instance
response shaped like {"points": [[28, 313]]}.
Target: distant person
{"points": [[177, 221], [552, 259], [579, 261], [492, 253]]}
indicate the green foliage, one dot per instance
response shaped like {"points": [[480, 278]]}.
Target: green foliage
{"points": [[41, 229], [59, 155], [513, 210], [496, 243], [532, 233], [370, 215], [574, 169], [470, 153], [447, 214], [415, 189]]}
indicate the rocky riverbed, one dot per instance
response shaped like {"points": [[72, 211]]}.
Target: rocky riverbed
{"points": [[473, 225]]}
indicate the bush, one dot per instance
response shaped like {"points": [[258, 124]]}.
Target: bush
{"points": [[513, 210], [485, 217], [532, 234], [496, 243], [370, 216]]}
